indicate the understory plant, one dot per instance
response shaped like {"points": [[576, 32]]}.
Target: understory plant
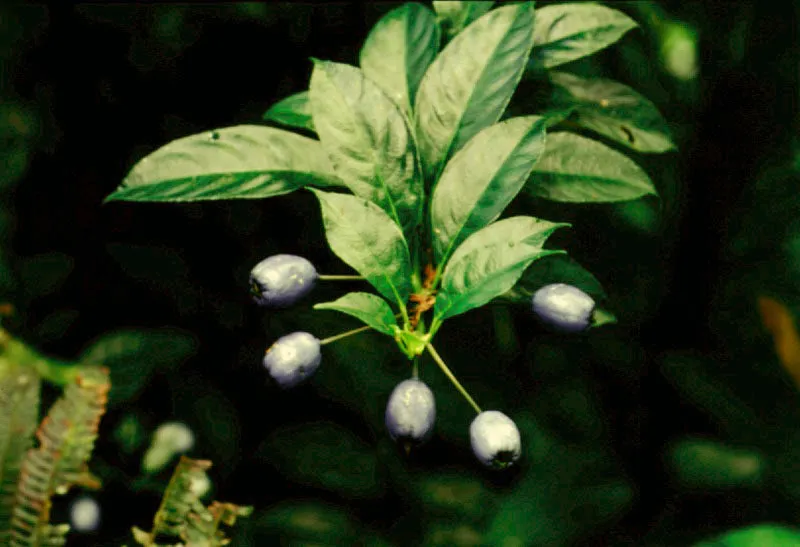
{"points": [[413, 164], [427, 163], [38, 464]]}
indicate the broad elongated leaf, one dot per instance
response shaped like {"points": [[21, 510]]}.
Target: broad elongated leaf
{"points": [[368, 141], [454, 15], [371, 309], [553, 269], [566, 32], [132, 356], [482, 179], [469, 84], [239, 162], [398, 51], [325, 455], [490, 262], [577, 169], [756, 536], [294, 111], [613, 110], [569, 491], [364, 236], [704, 463]]}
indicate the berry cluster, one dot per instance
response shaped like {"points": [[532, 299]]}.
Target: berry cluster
{"points": [[281, 280]]}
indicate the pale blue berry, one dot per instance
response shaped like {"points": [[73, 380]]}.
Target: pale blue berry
{"points": [[411, 412], [563, 307], [293, 358], [495, 439], [281, 280]]}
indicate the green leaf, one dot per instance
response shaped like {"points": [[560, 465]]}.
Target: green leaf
{"points": [[469, 84], [613, 110], [568, 492], [44, 273], [371, 309], [455, 16], [398, 51], [580, 170], [132, 355], [759, 535], [239, 162], [364, 236], [490, 262], [704, 463], [325, 455], [482, 179], [566, 32], [553, 269], [305, 522], [294, 111], [368, 141]]}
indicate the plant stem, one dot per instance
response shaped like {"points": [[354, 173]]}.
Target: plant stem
{"points": [[452, 378], [415, 368], [344, 335], [340, 277]]}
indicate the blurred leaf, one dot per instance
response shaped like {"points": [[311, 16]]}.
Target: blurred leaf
{"points": [[294, 111], [55, 325], [455, 16], [566, 492], [702, 463], [566, 32], [398, 51], [481, 180], [778, 320], [324, 455], [307, 523], [44, 273], [215, 419], [132, 355], [560, 268], [369, 308], [366, 238], [490, 262], [580, 170], [451, 534], [469, 84], [571, 407], [368, 141], [760, 535], [129, 433], [453, 495], [613, 110], [161, 269], [703, 382], [240, 162]]}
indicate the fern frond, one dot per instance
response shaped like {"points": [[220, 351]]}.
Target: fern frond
{"points": [[182, 514], [66, 440], [204, 531], [19, 414]]}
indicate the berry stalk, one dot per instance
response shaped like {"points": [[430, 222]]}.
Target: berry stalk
{"points": [[452, 378]]}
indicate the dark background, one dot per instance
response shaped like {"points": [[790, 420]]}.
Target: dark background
{"points": [[90, 89]]}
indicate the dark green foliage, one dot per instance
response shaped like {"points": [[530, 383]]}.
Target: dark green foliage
{"points": [[675, 427]]}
